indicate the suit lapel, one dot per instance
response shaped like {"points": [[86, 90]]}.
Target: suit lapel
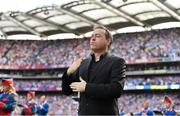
{"points": [[84, 69]]}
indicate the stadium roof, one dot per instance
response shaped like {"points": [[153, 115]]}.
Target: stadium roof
{"points": [[78, 17]]}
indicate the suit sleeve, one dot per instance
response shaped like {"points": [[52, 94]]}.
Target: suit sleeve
{"points": [[67, 80], [114, 88]]}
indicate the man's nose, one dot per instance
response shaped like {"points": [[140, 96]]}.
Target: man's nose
{"points": [[93, 38]]}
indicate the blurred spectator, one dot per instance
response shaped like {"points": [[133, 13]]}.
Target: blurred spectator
{"points": [[146, 109], [43, 106], [168, 107]]}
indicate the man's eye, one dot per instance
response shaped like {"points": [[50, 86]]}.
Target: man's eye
{"points": [[97, 36]]}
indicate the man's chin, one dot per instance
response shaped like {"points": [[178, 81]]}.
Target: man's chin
{"points": [[96, 51], [93, 49]]}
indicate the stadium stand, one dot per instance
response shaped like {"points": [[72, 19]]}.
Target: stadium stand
{"points": [[153, 46]]}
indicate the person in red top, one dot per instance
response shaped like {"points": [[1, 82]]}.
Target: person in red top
{"points": [[30, 107], [8, 97], [168, 107]]}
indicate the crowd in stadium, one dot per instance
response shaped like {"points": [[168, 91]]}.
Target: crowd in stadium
{"points": [[58, 105], [50, 85], [127, 103], [38, 85], [33, 73], [153, 80], [153, 44], [58, 73], [157, 67]]}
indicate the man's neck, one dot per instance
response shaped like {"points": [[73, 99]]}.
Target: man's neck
{"points": [[98, 55], [170, 109], [7, 92]]}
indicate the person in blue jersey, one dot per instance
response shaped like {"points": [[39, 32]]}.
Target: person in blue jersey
{"points": [[30, 107], [43, 106], [8, 98], [147, 111], [168, 107]]}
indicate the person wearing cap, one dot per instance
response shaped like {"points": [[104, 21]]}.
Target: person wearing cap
{"points": [[98, 79], [8, 99], [30, 107], [43, 106], [168, 107]]}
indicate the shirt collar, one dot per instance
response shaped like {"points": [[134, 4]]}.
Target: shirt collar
{"points": [[101, 57], [44, 103]]}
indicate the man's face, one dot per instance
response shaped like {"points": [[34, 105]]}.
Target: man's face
{"points": [[29, 97], [167, 105], [98, 42], [5, 88], [146, 105], [42, 98]]}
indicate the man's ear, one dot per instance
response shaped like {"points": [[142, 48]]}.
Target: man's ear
{"points": [[109, 42]]}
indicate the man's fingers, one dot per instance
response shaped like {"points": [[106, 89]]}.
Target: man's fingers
{"points": [[75, 90], [73, 87], [80, 78], [78, 86], [78, 60], [81, 58], [74, 84]]}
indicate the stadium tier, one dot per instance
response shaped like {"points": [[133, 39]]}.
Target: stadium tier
{"points": [[153, 46]]}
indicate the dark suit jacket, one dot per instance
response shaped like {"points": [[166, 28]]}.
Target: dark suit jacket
{"points": [[102, 91]]}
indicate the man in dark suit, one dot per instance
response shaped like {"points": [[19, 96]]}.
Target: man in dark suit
{"points": [[99, 79]]}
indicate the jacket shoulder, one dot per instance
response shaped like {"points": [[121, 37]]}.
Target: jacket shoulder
{"points": [[116, 58]]}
